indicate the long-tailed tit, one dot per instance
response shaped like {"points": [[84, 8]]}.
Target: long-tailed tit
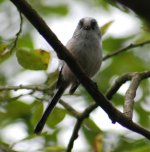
{"points": [[85, 47]]}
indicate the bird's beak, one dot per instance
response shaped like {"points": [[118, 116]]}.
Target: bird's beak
{"points": [[87, 27]]}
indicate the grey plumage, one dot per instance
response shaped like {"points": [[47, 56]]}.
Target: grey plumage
{"points": [[85, 47]]}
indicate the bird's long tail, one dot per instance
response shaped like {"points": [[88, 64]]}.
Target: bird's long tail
{"points": [[49, 109]]}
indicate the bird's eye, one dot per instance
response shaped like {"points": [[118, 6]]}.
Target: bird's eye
{"points": [[81, 23], [93, 24]]}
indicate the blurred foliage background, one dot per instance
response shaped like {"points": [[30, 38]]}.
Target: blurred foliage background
{"points": [[29, 70]]}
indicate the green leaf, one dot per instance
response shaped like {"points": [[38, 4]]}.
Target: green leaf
{"points": [[91, 130], [50, 9], [1, 1], [142, 149], [18, 109], [33, 59], [4, 52], [56, 117], [113, 44], [55, 149], [90, 135], [59, 10], [90, 124], [52, 78], [38, 110], [143, 115], [118, 99], [15, 110], [106, 26], [25, 41], [52, 136], [132, 145], [3, 47]]}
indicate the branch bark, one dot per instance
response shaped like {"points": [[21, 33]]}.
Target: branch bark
{"points": [[136, 78], [109, 94], [100, 99], [130, 95]]}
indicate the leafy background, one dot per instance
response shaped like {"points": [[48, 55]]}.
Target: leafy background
{"points": [[32, 63]]}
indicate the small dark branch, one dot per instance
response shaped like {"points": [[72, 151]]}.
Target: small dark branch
{"points": [[80, 119], [145, 75], [70, 109], [14, 43], [122, 79], [118, 83], [127, 48], [130, 95], [88, 110], [124, 121], [74, 134], [27, 87]]}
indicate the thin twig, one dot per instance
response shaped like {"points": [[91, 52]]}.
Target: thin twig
{"points": [[14, 43], [78, 124], [127, 48], [74, 135], [117, 84], [27, 87], [70, 109]]}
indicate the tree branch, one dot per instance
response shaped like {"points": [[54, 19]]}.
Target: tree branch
{"points": [[27, 87], [130, 95], [70, 109], [127, 48], [114, 88], [136, 78], [80, 119], [14, 43], [117, 84], [99, 98]]}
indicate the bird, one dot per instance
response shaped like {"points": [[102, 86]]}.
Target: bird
{"points": [[85, 47]]}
